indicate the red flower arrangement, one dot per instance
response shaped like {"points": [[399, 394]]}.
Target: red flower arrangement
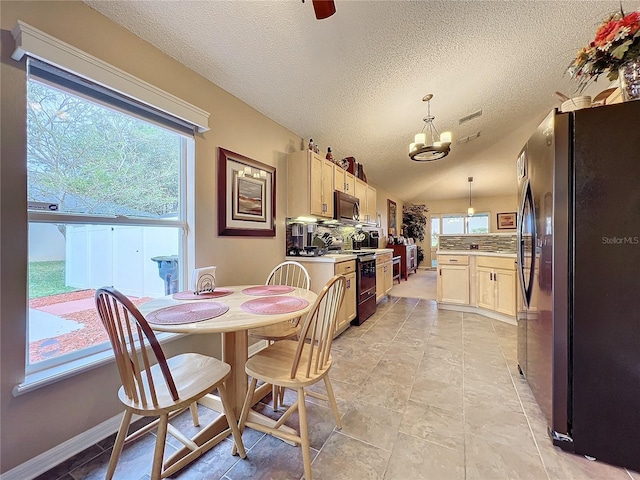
{"points": [[617, 41]]}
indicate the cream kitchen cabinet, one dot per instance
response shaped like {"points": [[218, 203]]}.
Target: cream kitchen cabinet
{"points": [[344, 181], [453, 285], [384, 274], [368, 197], [321, 271], [371, 215], [496, 284], [309, 185], [348, 310]]}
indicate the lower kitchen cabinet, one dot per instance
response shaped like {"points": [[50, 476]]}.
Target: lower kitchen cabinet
{"points": [[320, 273], [453, 285], [496, 280], [384, 274], [485, 284], [348, 311]]}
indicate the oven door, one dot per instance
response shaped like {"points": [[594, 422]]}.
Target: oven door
{"points": [[367, 279]]}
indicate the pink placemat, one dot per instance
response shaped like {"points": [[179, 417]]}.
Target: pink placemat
{"points": [[268, 290], [187, 313], [274, 305], [189, 295]]}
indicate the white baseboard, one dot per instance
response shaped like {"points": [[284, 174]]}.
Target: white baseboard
{"points": [[58, 454], [481, 311]]}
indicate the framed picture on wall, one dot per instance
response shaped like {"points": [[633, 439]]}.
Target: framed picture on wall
{"points": [[507, 221], [246, 196], [392, 210]]}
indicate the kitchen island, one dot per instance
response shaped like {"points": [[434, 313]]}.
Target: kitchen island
{"points": [[478, 281]]}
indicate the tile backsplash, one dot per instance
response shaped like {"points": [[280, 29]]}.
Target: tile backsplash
{"points": [[486, 243]]}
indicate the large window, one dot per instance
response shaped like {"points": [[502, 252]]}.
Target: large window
{"points": [[106, 207], [452, 224]]}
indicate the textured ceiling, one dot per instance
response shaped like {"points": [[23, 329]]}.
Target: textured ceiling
{"points": [[355, 81]]}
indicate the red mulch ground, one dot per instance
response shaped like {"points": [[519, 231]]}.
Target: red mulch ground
{"points": [[92, 333]]}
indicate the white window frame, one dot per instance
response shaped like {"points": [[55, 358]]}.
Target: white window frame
{"points": [[440, 216], [42, 46]]}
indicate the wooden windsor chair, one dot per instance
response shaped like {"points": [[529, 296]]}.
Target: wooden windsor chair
{"points": [[163, 389], [292, 274], [297, 365]]}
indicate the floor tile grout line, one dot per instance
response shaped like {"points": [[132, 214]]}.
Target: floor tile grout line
{"points": [[464, 417], [524, 411]]}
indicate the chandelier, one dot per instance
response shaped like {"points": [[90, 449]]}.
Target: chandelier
{"points": [[420, 150]]}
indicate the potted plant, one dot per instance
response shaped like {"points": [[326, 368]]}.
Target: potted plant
{"points": [[414, 223]]}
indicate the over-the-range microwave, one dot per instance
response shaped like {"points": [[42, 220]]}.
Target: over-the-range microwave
{"points": [[346, 208]]}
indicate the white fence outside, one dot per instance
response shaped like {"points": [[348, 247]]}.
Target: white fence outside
{"points": [[120, 256], [100, 255]]}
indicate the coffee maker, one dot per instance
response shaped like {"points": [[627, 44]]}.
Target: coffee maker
{"points": [[300, 238]]}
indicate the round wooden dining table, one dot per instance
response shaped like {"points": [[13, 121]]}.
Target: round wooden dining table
{"points": [[239, 308]]}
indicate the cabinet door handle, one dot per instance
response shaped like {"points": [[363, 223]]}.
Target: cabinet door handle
{"points": [[440, 272], [349, 283]]}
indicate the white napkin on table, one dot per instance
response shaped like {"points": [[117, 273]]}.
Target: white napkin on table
{"points": [[203, 280]]}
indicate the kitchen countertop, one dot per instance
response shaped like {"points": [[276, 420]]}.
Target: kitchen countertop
{"points": [[333, 257], [476, 253]]}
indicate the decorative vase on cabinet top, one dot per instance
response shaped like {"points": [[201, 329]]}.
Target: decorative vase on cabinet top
{"points": [[629, 75]]}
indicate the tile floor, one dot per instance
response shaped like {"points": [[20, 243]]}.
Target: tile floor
{"points": [[424, 394]]}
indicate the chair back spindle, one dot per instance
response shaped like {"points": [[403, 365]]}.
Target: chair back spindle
{"points": [[289, 273], [317, 330], [135, 347]]}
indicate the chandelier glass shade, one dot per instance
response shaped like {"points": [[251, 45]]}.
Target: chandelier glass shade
{"points": [[429, 145]]}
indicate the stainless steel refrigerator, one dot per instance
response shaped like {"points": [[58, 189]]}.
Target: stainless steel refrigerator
{"points": [[579, 273]]}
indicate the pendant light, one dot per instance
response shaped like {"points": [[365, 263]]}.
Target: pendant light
{"points": [[470, 210], [425, 149], [323, 8]]}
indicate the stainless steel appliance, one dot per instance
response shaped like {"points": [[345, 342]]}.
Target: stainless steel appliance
{"points": [[372, 239], [579, 263], [346, 208], [365, 284]]}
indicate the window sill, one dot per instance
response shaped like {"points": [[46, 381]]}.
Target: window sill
{"points": [[55, 374]]}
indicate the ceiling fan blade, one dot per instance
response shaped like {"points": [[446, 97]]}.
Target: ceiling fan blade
{"points": [[324, 8]]}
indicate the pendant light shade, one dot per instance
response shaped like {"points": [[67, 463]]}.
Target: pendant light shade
{"points": [[425, 147], [470, 210], [323, 8]]}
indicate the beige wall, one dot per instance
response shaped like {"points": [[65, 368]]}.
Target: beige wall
{"points": [[36, 422], [491, 205], [382, 196]]}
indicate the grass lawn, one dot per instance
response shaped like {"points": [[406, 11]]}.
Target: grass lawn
{"points": [[47, 278]]}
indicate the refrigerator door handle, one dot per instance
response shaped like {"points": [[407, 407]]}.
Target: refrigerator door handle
{"points": [[526, 284]]}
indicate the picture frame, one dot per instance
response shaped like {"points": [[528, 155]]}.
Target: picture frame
{"points": [[246, 196], [507, 220], [392, 210]]}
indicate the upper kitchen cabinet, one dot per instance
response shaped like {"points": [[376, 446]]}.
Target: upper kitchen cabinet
{"points": [[344, 181], [309, 185], [368, 197]]}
